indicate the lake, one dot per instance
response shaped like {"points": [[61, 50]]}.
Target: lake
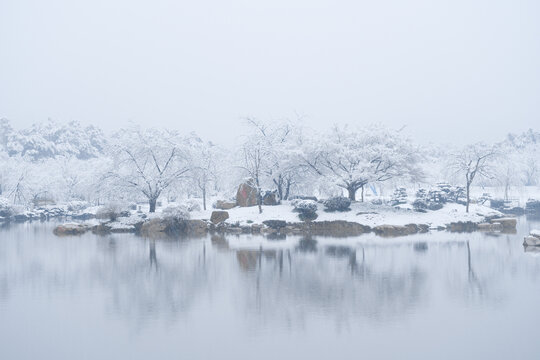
{"points": [[427, 296]]}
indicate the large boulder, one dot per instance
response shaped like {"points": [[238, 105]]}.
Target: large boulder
{"points": [[336, 228], [396, 230], [507, 223], [70, 229], [533, 239], [224, 205], [462, 226], [195, 227], [153, 227], [219, 216], [246, 194]]}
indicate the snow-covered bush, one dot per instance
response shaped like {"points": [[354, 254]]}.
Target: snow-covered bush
{"points": [[337, 203], [533, 206], [432, 200], [112, 212], [176, 213], [193, 205], [6, 208], [77, 205], [399, 196], [307, 209]]}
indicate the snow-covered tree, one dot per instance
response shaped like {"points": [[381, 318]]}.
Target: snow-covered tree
{"points": [[354, 158], [149, 161], [206, 160], [282, 144], [474, 161]]}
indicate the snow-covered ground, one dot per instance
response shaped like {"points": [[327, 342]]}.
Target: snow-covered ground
{"points": [[363, 213], [519, 194]]}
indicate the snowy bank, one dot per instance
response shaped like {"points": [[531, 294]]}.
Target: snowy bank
{"points": [[281, 220]]}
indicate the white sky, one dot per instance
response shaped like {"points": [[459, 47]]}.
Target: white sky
{"points": [[440, 67]]}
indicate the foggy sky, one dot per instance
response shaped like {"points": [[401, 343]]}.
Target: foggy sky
{"points": [[436, 66]]}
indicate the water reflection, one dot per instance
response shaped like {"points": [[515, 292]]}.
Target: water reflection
{"points": [[263, 284]]}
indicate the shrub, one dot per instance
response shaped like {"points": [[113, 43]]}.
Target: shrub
{"points": [[399, 196], [77, 205], [337, 203], [307, 209], [193, 205], [6, 208], [176, 213], [112, 212]]}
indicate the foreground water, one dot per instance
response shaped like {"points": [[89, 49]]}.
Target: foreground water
{"points": [[429, 296]]}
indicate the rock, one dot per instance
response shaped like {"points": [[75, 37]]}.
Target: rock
{"points": [[256, 228], [338, 228], [224, 205], [531, 241], [490, 227], [275, 224], [70, 229], [219, 216], [153, 227], [195, 227], [462, 226], [395, 230], [160, 227], [21, 217], [233, 230], [507, 223], [270, 198], [246, 194]]}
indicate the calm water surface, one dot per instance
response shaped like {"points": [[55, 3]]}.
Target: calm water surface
{"points": [[429, 296]]}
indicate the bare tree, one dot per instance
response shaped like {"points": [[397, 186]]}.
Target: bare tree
{"points": [[473, 161]]}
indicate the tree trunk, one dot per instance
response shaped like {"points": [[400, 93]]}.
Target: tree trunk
{"points": [[204, 197], [279, 185], [468, 195], [259, 197], [352, 193], [362, 193], [287, 190], [152, 203]]}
